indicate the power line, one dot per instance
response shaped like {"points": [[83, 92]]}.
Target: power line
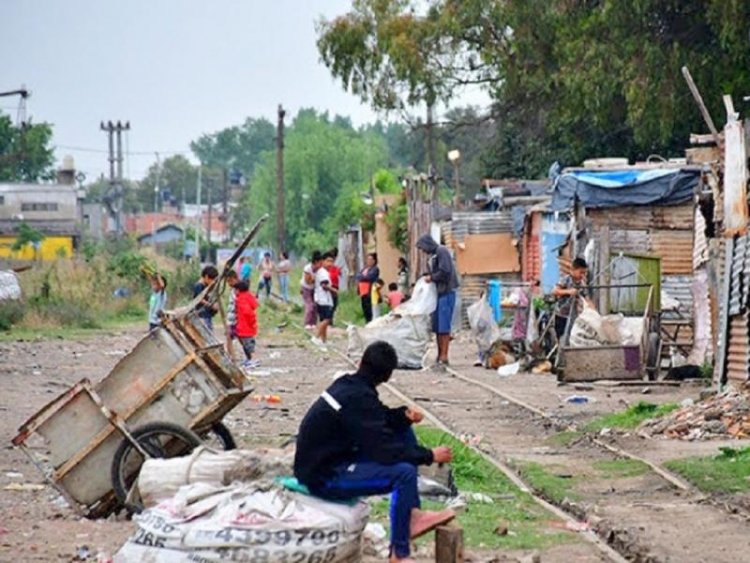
{"points": [[103, 151]]}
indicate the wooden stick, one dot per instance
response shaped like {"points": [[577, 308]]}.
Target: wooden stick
{"points": [[449, 545], [701, 105]]}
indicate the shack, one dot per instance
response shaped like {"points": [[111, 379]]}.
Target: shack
{"points": [[642, 224]]}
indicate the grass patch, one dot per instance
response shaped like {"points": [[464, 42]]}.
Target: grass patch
{"points": [[552, 486], [727, 472], [565, 438], [621, 468], [631, 417], [528, 522]]}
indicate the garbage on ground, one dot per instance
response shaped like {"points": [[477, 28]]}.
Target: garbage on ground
{"points": [[470, 439], [484, 329], [244, 522], [726, 415], [510, 369], [542, 367], [375, 541], [499, 354], [578, 399], [431, 488], [270, 399], [24, 487], [407, 328], [479, 498], [160, 479]]}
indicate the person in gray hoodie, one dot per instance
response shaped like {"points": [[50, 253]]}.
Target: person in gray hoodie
{"points": [[441, 272]]}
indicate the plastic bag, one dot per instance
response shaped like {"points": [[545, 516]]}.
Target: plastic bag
{"points": [[245, 523], [483, 327], [409, 335], [9, 286], [423, 300]]}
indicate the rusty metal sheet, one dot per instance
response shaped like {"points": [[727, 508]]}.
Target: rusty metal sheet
{"points": [[675, 248], [738, 349], [700, 244], [678, 217], [481, 222], [630, 241], [735, 178], [736, 276]]}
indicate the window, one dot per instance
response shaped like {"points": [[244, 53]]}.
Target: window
{"points": [[38, 207]]}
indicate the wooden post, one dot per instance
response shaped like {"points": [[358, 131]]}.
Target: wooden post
{"points": [[701, 105], [280, 201], [449, 545], [604, 262]]}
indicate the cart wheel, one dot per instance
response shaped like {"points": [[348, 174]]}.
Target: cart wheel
{"points": [[159, 440], [219, 434], [653, 356]]}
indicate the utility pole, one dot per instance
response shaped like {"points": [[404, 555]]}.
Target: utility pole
{"points": [[209, 189], [113, 197], [156, 197], [225, 196], [280, 228], [200, 217]]}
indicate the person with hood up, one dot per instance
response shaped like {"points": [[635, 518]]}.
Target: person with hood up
{"points": [[441, 272]]}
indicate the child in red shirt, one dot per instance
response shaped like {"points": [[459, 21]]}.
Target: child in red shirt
{"points": [[395, 297], [246, 320]]}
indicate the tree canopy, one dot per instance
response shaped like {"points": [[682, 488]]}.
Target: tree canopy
{"points": [[569, 79], [25, 152]]}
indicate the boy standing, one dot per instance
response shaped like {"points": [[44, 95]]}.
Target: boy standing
{"points": [[158, 300], [231, 328], [323, 295], [566, 291], [206, 310], [247, 321], [376, 297]]}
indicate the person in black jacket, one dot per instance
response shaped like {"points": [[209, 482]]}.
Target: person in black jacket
{"points": [[351, 445], [442, 272]]}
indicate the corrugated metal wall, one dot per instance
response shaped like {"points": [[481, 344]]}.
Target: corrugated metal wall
{"points": [[738, 344]]}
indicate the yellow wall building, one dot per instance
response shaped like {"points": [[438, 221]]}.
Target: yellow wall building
{"points": [[51, 248]]}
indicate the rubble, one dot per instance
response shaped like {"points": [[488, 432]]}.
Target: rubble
{"points": [[726, 415]]}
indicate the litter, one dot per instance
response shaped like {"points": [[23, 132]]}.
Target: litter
{"points": [[470, 439], [479, 498], [510, 369], [578, 399], [14, 475], [270, 399], [24, 487]]}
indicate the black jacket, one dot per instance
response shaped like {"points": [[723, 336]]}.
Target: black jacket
{"points": [[348, 423], [441, 267]]}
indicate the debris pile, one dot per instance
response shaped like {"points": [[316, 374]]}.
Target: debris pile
{"points": [[724, 415]]}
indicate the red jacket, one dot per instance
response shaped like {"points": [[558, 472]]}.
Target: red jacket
{"points": [[247, 321], [335, 273]]}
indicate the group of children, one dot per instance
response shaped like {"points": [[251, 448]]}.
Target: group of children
{"points": [[370, 287]]}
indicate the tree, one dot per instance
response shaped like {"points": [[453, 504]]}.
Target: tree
{"points": [[27, 235], [326, 161], [25, 152], [238, 147], [177, 179], [570, 79]]}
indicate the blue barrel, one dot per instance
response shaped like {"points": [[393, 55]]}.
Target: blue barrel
{"points": [[494, 292]]}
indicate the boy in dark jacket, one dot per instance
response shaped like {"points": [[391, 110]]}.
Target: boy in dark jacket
{"points": [[351, 445]]}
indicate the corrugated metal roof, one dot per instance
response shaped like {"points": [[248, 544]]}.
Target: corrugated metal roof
{"points": [[737, 275], [675, 249], [476, 223], [678, 217]]}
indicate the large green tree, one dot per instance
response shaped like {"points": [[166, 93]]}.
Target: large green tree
{"points": [[570, 79], [326, 161], [25, 151]]}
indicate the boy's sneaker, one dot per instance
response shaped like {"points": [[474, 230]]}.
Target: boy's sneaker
{"points": [[319, 343]]}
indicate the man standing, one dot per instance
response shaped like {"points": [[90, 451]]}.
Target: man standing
{"points": [[567, 291], [441, 272], [350, 445]]}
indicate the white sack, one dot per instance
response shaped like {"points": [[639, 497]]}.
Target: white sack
{"points": [[409, 335], [160, 479], [10, 289], [423, 300], [484, 329], [244, 523]]}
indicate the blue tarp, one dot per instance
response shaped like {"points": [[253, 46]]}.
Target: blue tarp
{"points": [[594, 189]]}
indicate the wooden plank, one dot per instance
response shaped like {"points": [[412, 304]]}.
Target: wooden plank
{"points": [[602, 362], [449, 545], [701, 105], [487, 254]]}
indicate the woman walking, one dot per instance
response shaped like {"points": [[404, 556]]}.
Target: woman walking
{"points": [[369, 275]]}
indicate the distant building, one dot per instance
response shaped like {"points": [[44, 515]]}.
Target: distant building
{"points": [[165, 234], [52, 209]]}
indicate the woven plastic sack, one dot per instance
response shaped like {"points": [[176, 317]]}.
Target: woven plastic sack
{"points": [[9, 286], [482, 323], [244, 523]]}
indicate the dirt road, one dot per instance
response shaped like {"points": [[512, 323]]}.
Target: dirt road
{"points": [[647, 518]]}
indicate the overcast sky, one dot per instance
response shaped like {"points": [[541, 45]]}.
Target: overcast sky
{"points": [[174, 68]]}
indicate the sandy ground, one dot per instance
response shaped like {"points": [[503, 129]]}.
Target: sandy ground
{"points": [[652, 519]]}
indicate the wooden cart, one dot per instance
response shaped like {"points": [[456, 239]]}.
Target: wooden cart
{"points": [[160, 400], [592, 363]]}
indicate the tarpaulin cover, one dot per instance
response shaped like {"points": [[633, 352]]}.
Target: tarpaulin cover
{"points": [[595, 189]]}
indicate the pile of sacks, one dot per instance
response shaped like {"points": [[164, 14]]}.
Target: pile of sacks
{"points": [[726, 415], [407, 328], [592, 329], [218, 506]]}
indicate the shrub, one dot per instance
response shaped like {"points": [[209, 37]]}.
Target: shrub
{"points": [[11, 313]]}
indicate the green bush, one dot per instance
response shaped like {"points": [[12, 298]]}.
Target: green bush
{"points": [[11, 313]]}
